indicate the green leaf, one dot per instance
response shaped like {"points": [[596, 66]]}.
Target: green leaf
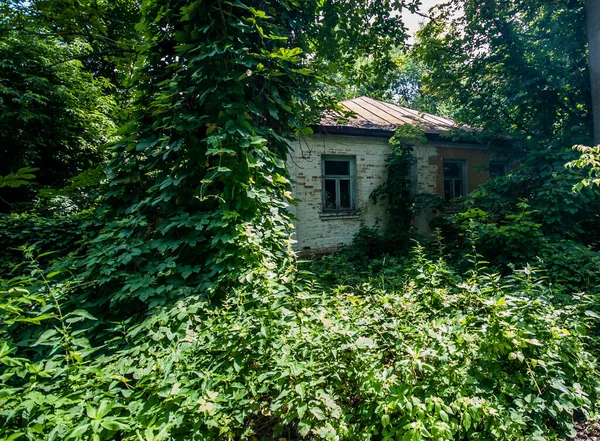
{"points": [[317, 412], [303, 428], [114, 425], [46, 335], [81, 313], [78, 431]]}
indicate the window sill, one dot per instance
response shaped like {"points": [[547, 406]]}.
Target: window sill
{"points": [[328, 215]]}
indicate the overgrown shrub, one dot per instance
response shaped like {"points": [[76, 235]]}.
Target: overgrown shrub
{"points": [[542, 181], [54, 235], [444, 357], [513, 239]]}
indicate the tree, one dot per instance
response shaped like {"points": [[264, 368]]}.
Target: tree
{"points": [[198, 188], [397, 78], [53, 114], [515, 68], [519, 69], [103, 32], [63, 83]]}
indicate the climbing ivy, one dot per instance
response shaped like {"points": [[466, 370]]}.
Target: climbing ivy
{"points": [[198, 190], [398, 192]]}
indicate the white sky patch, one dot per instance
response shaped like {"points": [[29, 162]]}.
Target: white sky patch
{"points": [[414, 21]]}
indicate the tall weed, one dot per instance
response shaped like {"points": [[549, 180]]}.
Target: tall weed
{"points": [[429, 355]]}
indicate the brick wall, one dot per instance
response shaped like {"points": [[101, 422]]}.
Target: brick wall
{"points": [[477, 160], [316, 231]]}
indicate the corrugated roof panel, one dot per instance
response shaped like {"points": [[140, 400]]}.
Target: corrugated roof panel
{"points": [[401, 117], [374, 117], [374, 114]]}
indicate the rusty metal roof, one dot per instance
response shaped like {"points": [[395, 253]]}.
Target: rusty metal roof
{"points": [[373, 114]]}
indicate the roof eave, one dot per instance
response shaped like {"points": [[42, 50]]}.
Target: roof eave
{"points": [[386, 133]]}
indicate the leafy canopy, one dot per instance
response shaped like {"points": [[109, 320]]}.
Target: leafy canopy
{"points": [[515, 67]]}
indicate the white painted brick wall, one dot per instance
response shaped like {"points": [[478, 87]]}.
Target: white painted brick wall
{"points": [[314, 232]]}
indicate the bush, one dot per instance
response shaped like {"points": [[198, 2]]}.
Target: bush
{"points": [[571, 267], [42, 234], [444, 358], [515, 239]]}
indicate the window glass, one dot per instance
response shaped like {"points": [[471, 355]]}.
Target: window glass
{"points": [[457, 188], [345, 200], [337, 168], [330, 194], [497, 169], [447, 190], [339, 183], [452, 170], [454, 179], [408, 169]]}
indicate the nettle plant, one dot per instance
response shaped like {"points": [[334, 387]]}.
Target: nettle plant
{"points": [[190, 321], [441, 357]]}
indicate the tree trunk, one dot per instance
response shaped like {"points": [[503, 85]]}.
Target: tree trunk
{"points": [[592, 9]]}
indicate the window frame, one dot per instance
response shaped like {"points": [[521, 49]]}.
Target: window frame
{"points": [[412, 177], [504, 165], [464, 175], [350, 177]]}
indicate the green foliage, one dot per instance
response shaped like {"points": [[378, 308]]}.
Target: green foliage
{"points": [[186, 319], [102, 31], [63, 81], [542, 180], [517, 240], [53, 115], [399, 193], [514, 239], [590, 161], [21, 177], [397, 78], [197, 188], [53, 237], [526, 77], [438, 356]]}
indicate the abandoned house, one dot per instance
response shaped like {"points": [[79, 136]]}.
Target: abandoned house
{"points": [[336, 169]]}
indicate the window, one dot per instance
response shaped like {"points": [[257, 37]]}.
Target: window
{"points": [[497, 169], [455, 184], [339, 183], [408, 169]]}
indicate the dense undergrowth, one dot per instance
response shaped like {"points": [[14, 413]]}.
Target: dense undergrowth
{"points": [[175, 311], [416, 351]]}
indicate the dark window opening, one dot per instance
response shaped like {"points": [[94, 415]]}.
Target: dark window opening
{"points": [[454, 179], [497, 169], [339, 183]]}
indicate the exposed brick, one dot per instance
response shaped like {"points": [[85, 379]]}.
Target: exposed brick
{"points": [[316, 233]]}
